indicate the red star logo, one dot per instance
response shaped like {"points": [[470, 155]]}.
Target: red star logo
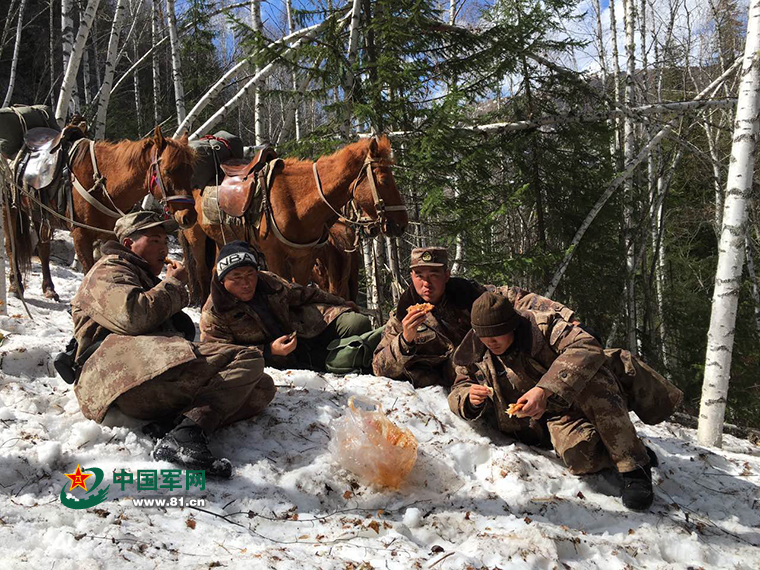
{"points": [[78, 478]]}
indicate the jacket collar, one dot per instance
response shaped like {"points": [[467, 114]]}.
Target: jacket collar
{"points": [[113, 247], [224, 301]]}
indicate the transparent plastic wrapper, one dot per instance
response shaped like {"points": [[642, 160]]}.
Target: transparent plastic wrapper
{"points": [[367, 443]]}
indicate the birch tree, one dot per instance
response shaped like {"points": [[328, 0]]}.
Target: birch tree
{"points": [[14, 61], [258, 106], [353, 49], [69, 78], [155, 28], [296, 103], [105, 92], [720, 336], [67, 41], [51, 51], [179, 91], [629, 151]]}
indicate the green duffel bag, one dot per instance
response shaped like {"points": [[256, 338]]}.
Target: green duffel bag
{"points": [[211, 151], [17, 119], [353, 353]]}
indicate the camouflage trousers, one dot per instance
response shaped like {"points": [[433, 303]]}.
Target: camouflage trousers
{"points": [[596, 432], [224, 384]]}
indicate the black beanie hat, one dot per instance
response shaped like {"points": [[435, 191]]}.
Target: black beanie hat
{"points": [[493, 315], [233, 255]]}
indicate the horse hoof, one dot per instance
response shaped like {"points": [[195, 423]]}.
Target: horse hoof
{"points": [[51, 294]]}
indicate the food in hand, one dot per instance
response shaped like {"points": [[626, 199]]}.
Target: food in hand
{"points": [[291, 336], [422, 307], [490, 391], [513, 409]]}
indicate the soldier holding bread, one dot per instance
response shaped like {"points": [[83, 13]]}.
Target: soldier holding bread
{"points": [[567, 388]]}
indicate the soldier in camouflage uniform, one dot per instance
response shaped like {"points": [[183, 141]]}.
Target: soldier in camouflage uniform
{"points": [[292, 325], [418, 347], [565, 381], [136, 351]]}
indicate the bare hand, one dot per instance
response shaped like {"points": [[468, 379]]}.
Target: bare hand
{"points": [[478, 394], [534, 403], [284, 345], [177, 270], [413, 319]]}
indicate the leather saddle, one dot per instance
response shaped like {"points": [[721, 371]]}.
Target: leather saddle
{"points": [[238, 189], [47, 154]]}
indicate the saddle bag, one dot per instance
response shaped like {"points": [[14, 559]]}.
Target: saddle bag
{"points": [[211, 151], [16, 120]]}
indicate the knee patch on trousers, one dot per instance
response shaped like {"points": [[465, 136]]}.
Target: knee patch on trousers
{"points": [[586, 456]]}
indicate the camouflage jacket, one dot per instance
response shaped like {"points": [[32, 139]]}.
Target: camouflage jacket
{"points": [[290, 308], [139, 320], [548, 351]]}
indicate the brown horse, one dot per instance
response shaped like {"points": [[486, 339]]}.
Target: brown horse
{"points": [[128, 171], [359, 172]]}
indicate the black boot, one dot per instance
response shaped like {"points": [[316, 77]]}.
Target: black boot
{"points": [[186, 445], [637, 488]]}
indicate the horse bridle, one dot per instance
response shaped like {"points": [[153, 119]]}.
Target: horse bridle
{"points": [[359, 221], [155, 180]]}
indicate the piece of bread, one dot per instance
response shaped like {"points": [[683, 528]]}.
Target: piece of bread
{"points": [[424, 307], [490, 391], [513, 409]]}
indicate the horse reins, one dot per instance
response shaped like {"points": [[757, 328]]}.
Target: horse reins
{"points": [[157, 181]]}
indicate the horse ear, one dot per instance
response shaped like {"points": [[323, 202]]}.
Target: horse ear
{"points": [[184, 138], [373, 146], [158, 139]]}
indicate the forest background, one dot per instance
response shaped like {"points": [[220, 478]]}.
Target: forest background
{"points": [[552, 145]]}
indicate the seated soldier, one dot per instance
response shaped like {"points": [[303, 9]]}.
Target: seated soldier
{"points": [[561, 378], [418, 341], [135, 349], [291, 324]]}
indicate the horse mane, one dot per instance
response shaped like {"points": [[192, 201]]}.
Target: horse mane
{"points": [[134, 152], [357, 150]]}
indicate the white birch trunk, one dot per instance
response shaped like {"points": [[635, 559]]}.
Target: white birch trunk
{"points": [[179, 90], [353, 48], [14, 61], [51, 52], [258, 104], [138, 102], [86, 75], [378, 258], [155, 30], [629, 150], [69, 77], [105, 91], [731, 249], [296, 118], [369, 271], [391, 247], [615, 80]]}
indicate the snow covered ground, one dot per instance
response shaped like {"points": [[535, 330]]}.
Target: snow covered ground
{"points": [[474, 499]]}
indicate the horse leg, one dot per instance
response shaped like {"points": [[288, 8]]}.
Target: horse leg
{"points": [[45, 233], [199, 258], [18, 247], [83, 241]]}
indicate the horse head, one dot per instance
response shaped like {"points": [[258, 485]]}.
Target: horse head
{"points": [[169, 177], [375, 191]]}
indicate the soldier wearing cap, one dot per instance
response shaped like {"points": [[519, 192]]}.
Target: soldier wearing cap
{"points": [[416, 346], [293, 326], [136, 350], [575, 395]]}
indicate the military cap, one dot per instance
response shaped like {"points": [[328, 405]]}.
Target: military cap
{"points": [[140, 220], [429, 257]]}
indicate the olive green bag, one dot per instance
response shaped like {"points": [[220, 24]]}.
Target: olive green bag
{"points": [[353, 353]]}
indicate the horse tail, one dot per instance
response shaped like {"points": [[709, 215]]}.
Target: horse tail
{"points": [[22, 241]]}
